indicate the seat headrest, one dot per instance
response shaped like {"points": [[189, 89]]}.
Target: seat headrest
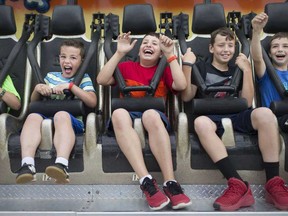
{"points": [[207, 18], [139, 19], [278, 18], [7, 20], [68, 20]]}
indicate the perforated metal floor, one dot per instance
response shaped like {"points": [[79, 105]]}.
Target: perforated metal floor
{"points": [[113, 200]]}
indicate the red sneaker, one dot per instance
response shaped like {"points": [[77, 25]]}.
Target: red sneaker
{"points": [[155, 198], [175, 193], [277, 193], [237, 195]]}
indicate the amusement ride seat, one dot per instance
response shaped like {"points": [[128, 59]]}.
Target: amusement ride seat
{"points": [[242, 148], [138, 19], [67, 22]]}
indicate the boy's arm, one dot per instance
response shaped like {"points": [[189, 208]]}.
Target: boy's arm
{"points": [[124, 45], [258, 23], [167, 47], [247, 91], [190, 91], [10, 99], [39, 91], [88, 98]]}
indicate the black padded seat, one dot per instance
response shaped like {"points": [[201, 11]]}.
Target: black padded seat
{"points": [[139, 19]]}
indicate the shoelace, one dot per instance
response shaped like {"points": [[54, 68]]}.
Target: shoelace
{"points": [[232, 189], [149, 187], [29, 166], [64, 168], [279, 188], [174, 188]]}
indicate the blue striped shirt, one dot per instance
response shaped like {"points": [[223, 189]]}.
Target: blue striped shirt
{"points": [[55, 78]]}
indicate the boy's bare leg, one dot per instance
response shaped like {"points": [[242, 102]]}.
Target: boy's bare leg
{"points": [[30, 139], [31, 135], [64, 141], [264, 121], [159, 142], [64, 137], [128, 141], [213, 145]]}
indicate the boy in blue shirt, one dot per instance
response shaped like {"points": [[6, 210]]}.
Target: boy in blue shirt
{"points": [[66, 125]]}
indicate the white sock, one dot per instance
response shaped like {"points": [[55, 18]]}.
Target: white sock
{"points": [[165, 183], [142, 179], [28, 160], [62, 160]]}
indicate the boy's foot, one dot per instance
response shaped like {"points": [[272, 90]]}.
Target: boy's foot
{"points": [[59, 172], [237, 195], [26, 173], [155, 198], [176, 195], [277, 193]]}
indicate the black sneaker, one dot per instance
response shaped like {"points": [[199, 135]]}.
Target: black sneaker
{"points": [[26, 173], [59, 172]]}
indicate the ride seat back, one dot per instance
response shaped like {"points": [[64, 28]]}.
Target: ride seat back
{"points": [[8, 41]]}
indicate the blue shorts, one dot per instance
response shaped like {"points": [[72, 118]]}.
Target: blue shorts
{"points": [[77, 125], [241, 122], [282, 123], [135, 115]]}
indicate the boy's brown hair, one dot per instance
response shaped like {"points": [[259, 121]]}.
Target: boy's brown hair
{"points": [[154, 34], [278, 35], [223, 31], [75, 43]]}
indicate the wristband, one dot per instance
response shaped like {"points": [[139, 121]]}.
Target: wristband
{"points": [[2, 93], [172, 58], [70, 85], [188, 64]]}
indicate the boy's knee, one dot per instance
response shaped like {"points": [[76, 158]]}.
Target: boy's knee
{"points": [[202, 124], [263, 115], [34, 117], [63, 115], [150, 115], [119, 114]]}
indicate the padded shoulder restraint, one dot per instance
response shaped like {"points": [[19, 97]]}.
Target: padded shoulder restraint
{"points": [[66, 20], [8, 27], [7, 11], [139, 19], [205, 22]]}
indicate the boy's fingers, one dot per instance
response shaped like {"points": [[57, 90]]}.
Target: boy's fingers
{"points": [[133, 43]]}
